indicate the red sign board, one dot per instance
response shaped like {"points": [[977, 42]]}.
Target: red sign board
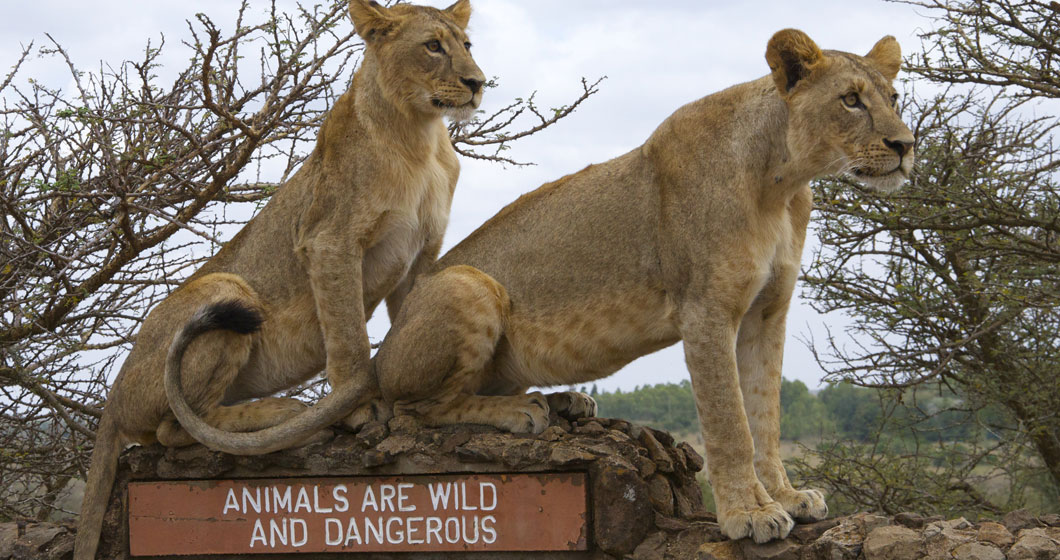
{"points": [[477, 512]]}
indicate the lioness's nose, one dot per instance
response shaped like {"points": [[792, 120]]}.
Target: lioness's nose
{"points": [[900, 146], [472, 84]]}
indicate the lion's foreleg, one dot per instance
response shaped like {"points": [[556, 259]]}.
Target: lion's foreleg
{"points": [[760, 352], [745, 509], [335, 276]]}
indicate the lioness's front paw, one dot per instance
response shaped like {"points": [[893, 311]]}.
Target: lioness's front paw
{"points": [[763, 524], [805, 506], [572, 404], [528, 417]]}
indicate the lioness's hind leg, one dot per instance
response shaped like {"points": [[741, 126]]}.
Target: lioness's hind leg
{"points": [[571, 404], [243, 417], [520, 414], [434, 362]]}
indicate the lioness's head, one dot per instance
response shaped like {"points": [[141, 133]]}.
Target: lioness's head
{"points": [[843, 109], [423, 54]]}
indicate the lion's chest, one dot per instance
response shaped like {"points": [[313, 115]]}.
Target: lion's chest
{"points": [[418, 213]]}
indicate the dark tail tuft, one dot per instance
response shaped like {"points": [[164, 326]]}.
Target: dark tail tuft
{"points": [[231, 315]]}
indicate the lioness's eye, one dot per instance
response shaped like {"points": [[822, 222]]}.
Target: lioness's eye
{"points": [[434, 45], [467, 46], [851, 99]]}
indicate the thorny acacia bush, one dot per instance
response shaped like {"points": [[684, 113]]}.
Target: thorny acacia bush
{"points": [[114, 192], [953, 282]]}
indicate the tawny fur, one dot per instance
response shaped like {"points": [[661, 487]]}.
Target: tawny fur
{"points": [[694, 236], [365, 213]]}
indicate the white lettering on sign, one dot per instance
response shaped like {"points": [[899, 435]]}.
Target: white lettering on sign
{"points": [[458, 514]]}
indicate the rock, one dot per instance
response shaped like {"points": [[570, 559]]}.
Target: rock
{"points": [[773, 550], [656, 451], [695, 461], [1050, 519], [565, 456], [1034, 544], [405, 424], [8, 534], [977, 551], [651, 548], [940, 539], [688, 498], [590, 428], [472, 454], [727, 550], [521, 453], [1014, 521], [397, 443], [911, 520], [959, 523], [376, 458], [645, 466], [868, 522], [995, 533], [552, 433], [842, 542], [806, 534], [372, 433], [43, 541], [662, 496], [622, 505], [892, 542]]}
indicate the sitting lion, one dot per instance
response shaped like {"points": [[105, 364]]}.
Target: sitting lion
{"points": [[694, 236], [289, 295]]}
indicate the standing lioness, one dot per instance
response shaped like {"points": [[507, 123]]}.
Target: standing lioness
{"points": [[694, 236], [289, 295]]}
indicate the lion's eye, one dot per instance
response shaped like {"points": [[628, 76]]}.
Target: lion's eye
{"points": [[894, 101], [433, 45], [467, 46], [852, 100]]}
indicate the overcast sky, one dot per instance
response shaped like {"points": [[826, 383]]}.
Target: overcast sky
{"points": [[657, 56]]}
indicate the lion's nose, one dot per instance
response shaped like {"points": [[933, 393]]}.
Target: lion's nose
{"points": [[472, 84], [901, 146]]}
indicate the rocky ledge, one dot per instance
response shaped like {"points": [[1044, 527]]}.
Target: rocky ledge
{"points": [[644, 499]]}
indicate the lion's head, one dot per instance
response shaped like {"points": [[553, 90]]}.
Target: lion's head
{"points": [[843, 109], [424, 56]]}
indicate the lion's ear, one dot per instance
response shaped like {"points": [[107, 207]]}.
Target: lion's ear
{"points": [[371, 20], [791, 56], [886, 55], [460, 12]]}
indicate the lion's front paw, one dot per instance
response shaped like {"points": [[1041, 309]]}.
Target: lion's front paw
{"points": [[805, 506], [528, 417], [572, 404], [762, 524]]}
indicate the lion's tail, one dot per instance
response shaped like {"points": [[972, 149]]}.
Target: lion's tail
{"points": [[97, 488], [240, 317]]}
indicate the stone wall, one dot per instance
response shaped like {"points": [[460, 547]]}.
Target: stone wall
{"points": [[644, 500]]}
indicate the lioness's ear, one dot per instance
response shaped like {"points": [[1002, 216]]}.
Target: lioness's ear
{"points": [[460, 12], [886, 55], [791, 56], [370, 20]]}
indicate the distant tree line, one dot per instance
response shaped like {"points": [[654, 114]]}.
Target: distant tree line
{"points": [[840, 411]]}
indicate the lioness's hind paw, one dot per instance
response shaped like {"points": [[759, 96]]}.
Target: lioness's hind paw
{"points": [[572, 404], [805, 506], [762, 524]]}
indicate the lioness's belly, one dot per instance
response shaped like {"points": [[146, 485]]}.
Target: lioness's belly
{"points": [[585, 341]]}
